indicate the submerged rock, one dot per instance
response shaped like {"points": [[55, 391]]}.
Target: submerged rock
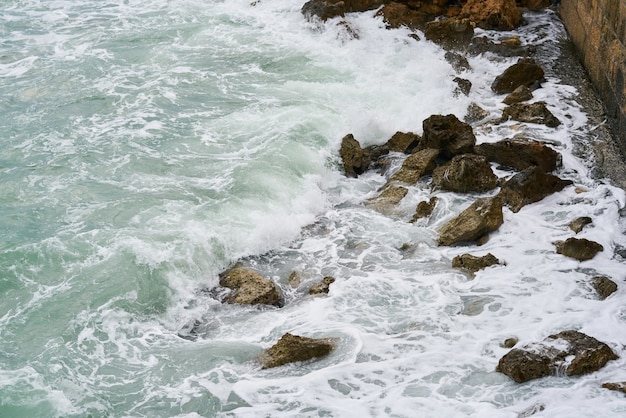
{"points": [[492, 14], [520, 154], [249, 287], [581, 249], [531, 113], [604, 286], [578, 224], [291, 348], [448, 134], [570, 352], [322, 287], [424, 209], [474, 263], [525, 72], [482, 217], [465, 173], [530, 186]]}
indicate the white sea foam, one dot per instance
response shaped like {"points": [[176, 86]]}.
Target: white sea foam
{"points": [[153, 143]]}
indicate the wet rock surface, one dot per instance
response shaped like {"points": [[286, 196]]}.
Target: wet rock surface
{"points": [[578, 224], [526, 72], [530, 113], [568, 352], [249, 287], [492, 14], [520, 154], [530, 186], [424, 209], [292, 348], [322, 287], [480, 218], [414, 166], [581, 249], [474, 263], [604, 286], [448, 134], [520, 94], [355, 159], [465, 173]]}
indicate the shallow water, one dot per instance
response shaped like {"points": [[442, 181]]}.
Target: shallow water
{"points": [[147, 145]]}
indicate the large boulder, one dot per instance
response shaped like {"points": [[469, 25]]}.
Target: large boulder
{"points": [[355, 159], [581, 249], [451, 33], [570, 352], [525, 72], [482, 217], [492, 14], [465, 173], [531, 113], [448, 134], [291, 348], [530, 186], [249, 287], [414, 166], [520, 154], [474, 263], [327, 9]]}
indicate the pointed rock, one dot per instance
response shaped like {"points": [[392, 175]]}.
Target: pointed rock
{"points": [[355, 159]]}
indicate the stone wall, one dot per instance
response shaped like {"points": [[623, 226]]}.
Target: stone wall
{"points": [[598, 29]]}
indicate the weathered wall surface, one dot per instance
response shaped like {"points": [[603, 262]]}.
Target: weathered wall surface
{"points": [[598, 29]]}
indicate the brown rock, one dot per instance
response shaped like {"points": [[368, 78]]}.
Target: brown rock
{"points": [[474, 263], [322, 287], [414, 166], [388, 198], [450, 33], [534, 4], [571, 351], [355, 159], [291, 348], [397, 14], [529, 186], [465, 173], [483, 216], [492, 14], [578, 224], [520, 154], [531, 113], [525, 72], [463, 86], [448, 134], [618, 386], [475, 113], [249, 287], [424, 209], [457, 61], [404, 142], [579, 248], [520, 94], [294, 279], [604, 286], [323, 9], [509, 342]]}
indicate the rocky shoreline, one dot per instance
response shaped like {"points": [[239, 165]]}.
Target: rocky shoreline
{"points": [[447, 157]]}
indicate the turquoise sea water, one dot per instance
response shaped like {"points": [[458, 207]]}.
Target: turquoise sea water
{"points": [[147, 145]]}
